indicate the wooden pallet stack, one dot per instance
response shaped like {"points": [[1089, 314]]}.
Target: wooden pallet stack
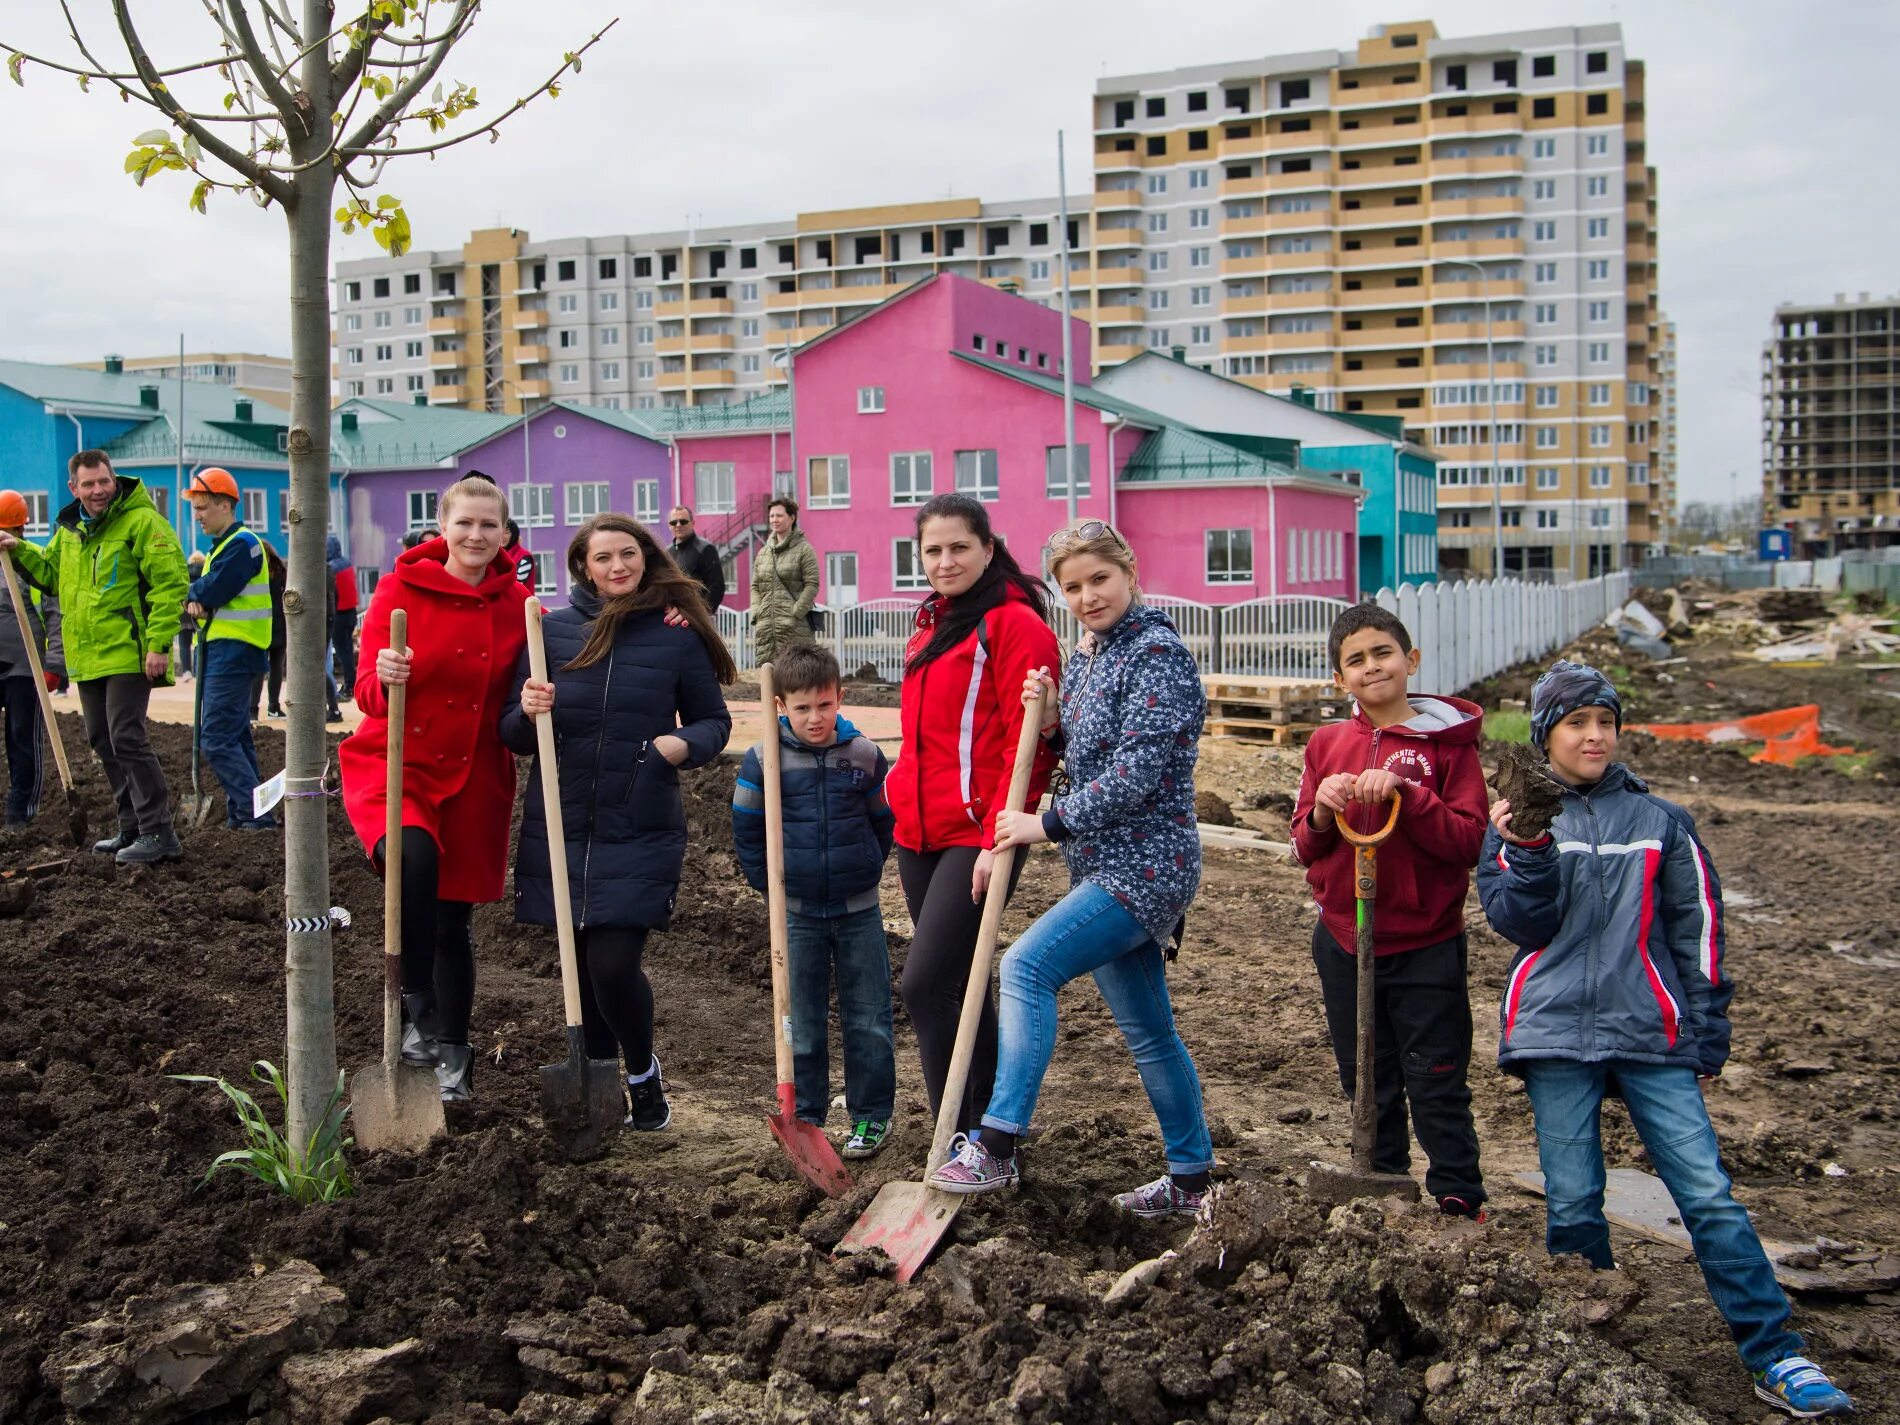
{"points": [[1280, 711]]}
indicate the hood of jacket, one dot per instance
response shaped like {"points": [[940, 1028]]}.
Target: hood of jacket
{"points": [[132, 495], [426, 567], [790, 541], [1451, 721], [333, 555], [787, 738]]}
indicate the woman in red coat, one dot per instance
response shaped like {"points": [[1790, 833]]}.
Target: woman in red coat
{"points": [[466, 629], [981, 630]]}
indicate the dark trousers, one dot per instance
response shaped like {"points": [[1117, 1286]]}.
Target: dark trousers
{"points": [[114, 709], [20, 706], [937, 969], [852, 948], [438, 947], [616, 995], [1422, 1034], [224, 730], [343, 647]]}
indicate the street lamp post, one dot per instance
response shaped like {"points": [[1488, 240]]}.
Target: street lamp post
{"points": [[1491, 381]]}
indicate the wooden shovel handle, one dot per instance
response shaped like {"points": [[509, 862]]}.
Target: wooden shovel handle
{"points": [[39, 673], [392, 848], [1370, 838], [557, 831], [770, 760], [976, 991]]}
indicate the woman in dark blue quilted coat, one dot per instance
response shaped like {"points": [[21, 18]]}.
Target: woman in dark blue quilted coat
{"points": [[634, 697], [1129, 727]]}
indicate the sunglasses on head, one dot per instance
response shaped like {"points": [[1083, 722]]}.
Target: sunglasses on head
{"points": [[1084, 532]]}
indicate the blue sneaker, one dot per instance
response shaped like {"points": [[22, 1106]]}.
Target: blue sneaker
{"points": [[1795, 1384]]}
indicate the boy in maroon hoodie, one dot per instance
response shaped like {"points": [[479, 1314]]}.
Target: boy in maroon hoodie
{"points": [[1425, 749]]}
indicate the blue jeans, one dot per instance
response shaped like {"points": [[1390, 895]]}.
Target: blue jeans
{"points": [[228, 676], [1666, 1107], [1088, 931], [853, 946]]}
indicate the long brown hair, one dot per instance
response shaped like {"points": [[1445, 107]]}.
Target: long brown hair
{"points": [[661, 583]]}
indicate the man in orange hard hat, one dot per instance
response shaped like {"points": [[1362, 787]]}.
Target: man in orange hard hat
{"points": [[231, 602], [19, 701]]}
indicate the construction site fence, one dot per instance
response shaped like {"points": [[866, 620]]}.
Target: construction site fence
{"points": [[1465, 632], [1852, 572]]}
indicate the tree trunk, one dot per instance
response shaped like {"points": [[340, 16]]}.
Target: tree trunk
{"points": [[309, 990]]}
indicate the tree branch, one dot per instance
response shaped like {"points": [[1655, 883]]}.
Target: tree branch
{"points": [[234, 159], [355, 148], [246, 40], [414, 85]]}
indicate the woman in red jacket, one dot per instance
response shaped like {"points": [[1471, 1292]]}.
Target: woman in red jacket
{"points": [[466, 629], [980, 631]]}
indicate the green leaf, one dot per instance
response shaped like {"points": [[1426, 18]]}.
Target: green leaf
{"points": [[398, 233], [230, 102], [135, 160], [342, 216], [191, 150], [85, 84], [381, 235], [386, 201], [199, 193], [154, 137], [15, 64]]}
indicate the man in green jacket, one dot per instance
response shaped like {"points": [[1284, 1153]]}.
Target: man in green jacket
{"points": [[119, 573]]}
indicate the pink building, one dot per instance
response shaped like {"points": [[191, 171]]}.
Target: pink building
{"points": [[954, 385]]}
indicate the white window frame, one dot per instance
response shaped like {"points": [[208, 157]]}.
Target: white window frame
{"points": [[257, 509], [547, 572], [531, 505], [1055, 484], [586, 498], [870, 400], [834, 472], [910, 491], [1229, 538], [423, 508], [970, 475], [714, 487], [915, 579], [646, 501]]}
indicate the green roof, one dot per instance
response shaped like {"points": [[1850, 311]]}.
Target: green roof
{"points": [[212, 429], [397, 435], [620, 420], [772, 411]]}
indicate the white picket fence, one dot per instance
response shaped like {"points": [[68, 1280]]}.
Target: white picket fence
{"points": [[1465, 632]]}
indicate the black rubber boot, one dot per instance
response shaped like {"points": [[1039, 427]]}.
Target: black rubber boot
{"points": [[418, 1031], [455, 1071]]}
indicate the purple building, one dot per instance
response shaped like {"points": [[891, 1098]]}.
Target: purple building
{"points": [[560, 465]]}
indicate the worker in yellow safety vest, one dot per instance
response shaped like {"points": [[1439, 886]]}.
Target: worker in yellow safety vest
{"points": [[231, 601]]}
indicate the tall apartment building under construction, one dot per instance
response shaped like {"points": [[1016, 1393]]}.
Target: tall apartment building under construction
{"points": [[1461, 232]]}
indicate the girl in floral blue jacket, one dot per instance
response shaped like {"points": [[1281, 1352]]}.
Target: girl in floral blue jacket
{"points": [[1129, 725]]}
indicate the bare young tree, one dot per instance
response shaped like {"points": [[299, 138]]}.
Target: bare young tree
{"points": [[292, 105]]}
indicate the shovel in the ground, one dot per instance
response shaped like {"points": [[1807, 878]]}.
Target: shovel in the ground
{"points": [[1327, 1181], [907, 1220], [804, 1143], [397, 1106], [75, 808], [201, 801], [582, 1100]]}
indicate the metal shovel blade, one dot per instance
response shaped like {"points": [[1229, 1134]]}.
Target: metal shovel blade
{"points": [[808, 1148], [396, 1112], [905, 1222], [582, 1101]]}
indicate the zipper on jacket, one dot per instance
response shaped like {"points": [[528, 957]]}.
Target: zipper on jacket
{"points": [[824, 819], [593, 795], [1590, 956], [923, 830]]}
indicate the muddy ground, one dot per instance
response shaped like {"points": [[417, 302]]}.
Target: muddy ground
{"points": [[687, 1277]]}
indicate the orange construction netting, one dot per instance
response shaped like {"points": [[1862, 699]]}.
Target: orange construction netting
{"points": [[1788, 734]]}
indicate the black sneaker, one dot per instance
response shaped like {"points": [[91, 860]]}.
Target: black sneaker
{"points": [[1459, 1207], [648, 1110], [150, 848], [113, 845]]}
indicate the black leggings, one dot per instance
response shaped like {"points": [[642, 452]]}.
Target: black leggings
{"points": [[438, 948], [616, 996], [937, 969]]}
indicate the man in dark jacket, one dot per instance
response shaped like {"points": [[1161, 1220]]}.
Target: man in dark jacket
{"points": [[19, 699], [343, 618], [696, 558]]}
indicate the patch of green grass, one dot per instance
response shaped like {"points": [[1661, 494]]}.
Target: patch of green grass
{"points": [[1851, 764], [1511, 726], [318, 1173]]}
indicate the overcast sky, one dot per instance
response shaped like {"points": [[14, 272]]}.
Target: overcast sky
{"points": [[750, 111]]}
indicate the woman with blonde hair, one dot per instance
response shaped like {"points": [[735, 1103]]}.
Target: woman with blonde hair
{"points": [[634, 668], [1129, 724], [466, 630]]}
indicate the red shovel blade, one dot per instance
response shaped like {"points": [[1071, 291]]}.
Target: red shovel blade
{"points": [[808, 1148]]}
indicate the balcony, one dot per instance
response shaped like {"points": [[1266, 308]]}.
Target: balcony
{"points": [[1382, 297], [531, 355], [1401, 337], [1274, 183], [1379, 136], [1320, 340], [670, 346], [1254, 226], [674, 380], [866, 295], [714, 341], [1108, 354], [1478, 247], [455, 395], [1475, 371], [1494, 207], [1117, 200], [1382, 257], [1260, 145], [1487, 165], [530, 321], [526, 390], [1321, 300], [1474, 331], [709, 307], [1121, 314], [1486, 123], [1117, 235], [1394, 376], [1409, 91], [1475, 291], [447, 360], [1379, 175], [445, 326], [715, 376], [1386, 215]]}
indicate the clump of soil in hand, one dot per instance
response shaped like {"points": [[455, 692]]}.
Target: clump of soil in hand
{"points": [[1535, 796]]}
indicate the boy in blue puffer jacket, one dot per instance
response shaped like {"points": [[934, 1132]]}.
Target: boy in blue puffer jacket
{"points": [[838, 830], [1619, 986]]}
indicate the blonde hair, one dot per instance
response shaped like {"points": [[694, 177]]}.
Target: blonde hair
{"points": [[1068, 542], [470, 488]]}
